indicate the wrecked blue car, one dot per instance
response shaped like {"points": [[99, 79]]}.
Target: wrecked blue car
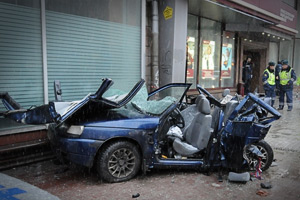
{"points": [[120, 133]]}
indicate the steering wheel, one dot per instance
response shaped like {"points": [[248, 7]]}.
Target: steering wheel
{"points": [[178, 118]]}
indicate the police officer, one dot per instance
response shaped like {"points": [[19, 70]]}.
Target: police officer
{"points": [[286, 78], [247, 74], [277, 70], [268, 79]]}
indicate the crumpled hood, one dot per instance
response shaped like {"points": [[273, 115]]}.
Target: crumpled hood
{"points": [[138, 123]]}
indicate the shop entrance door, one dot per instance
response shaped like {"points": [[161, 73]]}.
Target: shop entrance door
{"points": [[259, 60]]}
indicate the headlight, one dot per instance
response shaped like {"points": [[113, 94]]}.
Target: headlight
{"points": [[75, 130]]}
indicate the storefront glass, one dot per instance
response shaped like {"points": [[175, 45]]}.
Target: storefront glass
{"points": [[228, 60], [216, 65], [192, 50], [210, 44]]}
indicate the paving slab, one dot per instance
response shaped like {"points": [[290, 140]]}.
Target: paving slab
{"points": [[13, 189]]}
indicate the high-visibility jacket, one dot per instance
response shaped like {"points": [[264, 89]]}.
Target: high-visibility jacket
{"points": [[271, 77], [285, 76]]}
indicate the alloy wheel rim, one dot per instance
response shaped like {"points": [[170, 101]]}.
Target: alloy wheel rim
{"points": [[121, 163], [253, 162]]}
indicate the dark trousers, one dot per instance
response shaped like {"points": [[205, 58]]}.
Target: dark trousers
{"points": [[270, 92], [247, 87], [289, 97]]}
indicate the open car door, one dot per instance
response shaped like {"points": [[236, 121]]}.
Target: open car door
{"points": [[60, 111]]}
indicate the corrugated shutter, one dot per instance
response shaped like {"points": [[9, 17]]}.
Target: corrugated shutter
{"points": [[81, 51], [20, 54]]}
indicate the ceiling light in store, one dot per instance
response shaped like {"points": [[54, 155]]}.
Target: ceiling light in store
{"points": [[283, 39], [245, 39], [263, 33], [268, 35], [278, 38], [233, 38], [273, 36], [250, 40], [227, 36]]}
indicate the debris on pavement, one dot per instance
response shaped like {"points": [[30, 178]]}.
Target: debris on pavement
{"points": [[239, 177], [136, 195], [215, 185], [266, 185], [262, 193], [274, 164]]}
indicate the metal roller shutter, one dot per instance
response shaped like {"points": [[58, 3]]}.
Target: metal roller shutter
{"points": [[21, 54], [81, 51]]}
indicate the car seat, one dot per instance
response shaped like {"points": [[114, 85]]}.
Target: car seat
{"points": [[198, 133]]}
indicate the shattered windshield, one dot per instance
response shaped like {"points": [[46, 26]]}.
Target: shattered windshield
{"points": [[156, 104]]}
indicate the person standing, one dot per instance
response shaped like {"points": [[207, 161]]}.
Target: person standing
{"points": [[268, 79], [277, 70], [247, 74], [286, 78]]}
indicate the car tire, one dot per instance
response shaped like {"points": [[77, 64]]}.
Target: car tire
{"points": [[267, 158], [119, 161]]}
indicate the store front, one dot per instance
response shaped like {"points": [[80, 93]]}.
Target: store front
{"points": [[220, 36], [211, 55]]}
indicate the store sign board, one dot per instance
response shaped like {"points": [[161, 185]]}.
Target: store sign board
{"points": [[289, 15], [279, 8], [168, 13]]}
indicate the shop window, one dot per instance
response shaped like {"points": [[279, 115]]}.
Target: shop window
{"points": [[209, 57], [192, 50], [228, 61]]}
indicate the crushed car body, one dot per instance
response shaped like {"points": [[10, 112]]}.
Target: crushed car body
{"points": [[121, 133]]}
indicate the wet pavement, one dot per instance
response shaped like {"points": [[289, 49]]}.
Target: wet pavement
{"points": [[79, 183]]}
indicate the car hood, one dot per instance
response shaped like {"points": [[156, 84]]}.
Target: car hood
{"points": [[138, 123]]}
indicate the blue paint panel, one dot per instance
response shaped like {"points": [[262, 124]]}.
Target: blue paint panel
{"points": [[7, 194], [80, 146], [140, 123], [80, 151]]}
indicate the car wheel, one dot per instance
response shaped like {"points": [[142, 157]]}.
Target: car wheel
{"points": [[119, 161], [267, 156]]}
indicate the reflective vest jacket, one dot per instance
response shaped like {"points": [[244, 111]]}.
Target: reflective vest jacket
{"points": [[285, 77], [271, 77]]}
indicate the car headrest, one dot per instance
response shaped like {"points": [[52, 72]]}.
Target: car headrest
{"points": [[204, 106], [226, 92], [199, 97]]}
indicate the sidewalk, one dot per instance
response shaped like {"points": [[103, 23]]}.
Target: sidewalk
{"points": [[285, 132], [13, 189]]}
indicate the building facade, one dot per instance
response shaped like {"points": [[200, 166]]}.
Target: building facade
{"points": [[197, 41], [218, 37], [76, 42]]}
